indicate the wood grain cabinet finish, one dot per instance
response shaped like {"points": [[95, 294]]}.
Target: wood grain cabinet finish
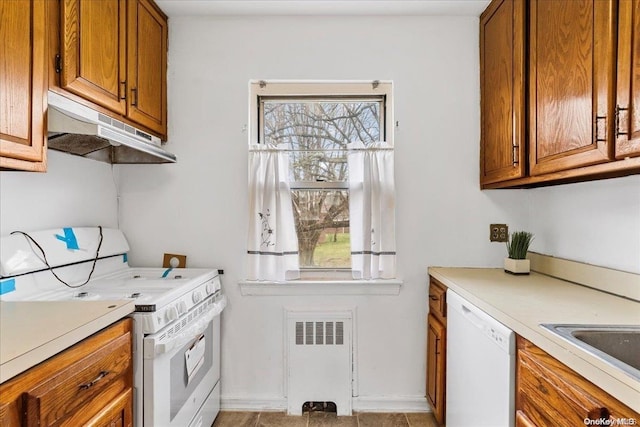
{"points": [[627, 127], [23, 83], [550, 393], [93, 51], [571, 77], [88, 384], [502, 91], [571, 114], [147, 66], [114, 54], [436, 349]]}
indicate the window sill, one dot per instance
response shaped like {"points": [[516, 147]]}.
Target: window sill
{"points": [[321, 287]]}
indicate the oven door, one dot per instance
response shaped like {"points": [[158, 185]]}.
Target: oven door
{"points": [[182, 367]]}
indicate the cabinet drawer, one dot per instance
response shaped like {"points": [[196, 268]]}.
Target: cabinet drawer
{"points": [[437, 299], [75, 385], [550, 393]]}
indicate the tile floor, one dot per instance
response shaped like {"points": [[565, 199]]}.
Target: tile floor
{"points": [[323, 419]]}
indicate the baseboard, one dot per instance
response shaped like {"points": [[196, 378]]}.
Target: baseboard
{"points": [[360, 404], [253, 405], [390, 404]]}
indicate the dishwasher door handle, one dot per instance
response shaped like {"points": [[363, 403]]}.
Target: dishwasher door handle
{"points": [[473, 318]]}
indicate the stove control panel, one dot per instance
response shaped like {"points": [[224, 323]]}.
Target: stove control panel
{"points": [[196, 297], [164, 315]]}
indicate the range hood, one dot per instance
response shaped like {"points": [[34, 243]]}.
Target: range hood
{"points": [[77, 129]]}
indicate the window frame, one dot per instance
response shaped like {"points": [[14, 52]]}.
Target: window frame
{"points": [[319, 91]]}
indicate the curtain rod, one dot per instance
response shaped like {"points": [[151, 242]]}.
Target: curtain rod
{"points": [[264, 83], [253, 150]]}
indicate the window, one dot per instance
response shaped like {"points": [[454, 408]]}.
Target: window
{"points": [[316, 127]]}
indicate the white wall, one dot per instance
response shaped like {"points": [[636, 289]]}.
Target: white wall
{"points": [[595, 222], [198, 206], [73, 192]]}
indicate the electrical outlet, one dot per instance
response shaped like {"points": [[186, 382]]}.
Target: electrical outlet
{"points": [[498, 232], [174, 261]]}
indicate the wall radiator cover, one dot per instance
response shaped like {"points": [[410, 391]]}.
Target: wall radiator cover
{"points": [[319, 359]]}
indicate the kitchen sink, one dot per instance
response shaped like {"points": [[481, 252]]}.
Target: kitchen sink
{"points": [[617, 345]]}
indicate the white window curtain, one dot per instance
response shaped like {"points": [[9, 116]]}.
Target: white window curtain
{"points": [[372, 211], [272, 246]]}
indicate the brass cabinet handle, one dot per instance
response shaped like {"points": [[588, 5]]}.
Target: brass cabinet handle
{"points": [[619, 111], [433, 297], [124, 90], [598, 118], [134, 96], [515, 154], [92, 383]]}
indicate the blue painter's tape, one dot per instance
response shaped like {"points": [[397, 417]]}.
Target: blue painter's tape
{"points": [[167, 271], [7, 286], [69, 238], [124, 258]]}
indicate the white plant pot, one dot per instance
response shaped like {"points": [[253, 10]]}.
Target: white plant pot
{"points": [[516, 266]]}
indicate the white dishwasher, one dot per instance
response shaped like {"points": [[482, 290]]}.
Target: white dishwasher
{"points": [[480, 367]]}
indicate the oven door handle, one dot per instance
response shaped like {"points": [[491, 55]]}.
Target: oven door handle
{"points": [[155, 346]]}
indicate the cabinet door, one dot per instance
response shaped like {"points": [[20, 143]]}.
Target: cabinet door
{"points": [[523, 421], [502, 141], [628, 94], [147, 66], [118, 413], [22, 84], [549, 393], [436, 335], [93, 50], [571, 84]]}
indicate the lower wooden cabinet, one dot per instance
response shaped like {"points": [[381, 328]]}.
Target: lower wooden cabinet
{"points": [[436, 348], [436, 359], [87, 384], [551, 394]]}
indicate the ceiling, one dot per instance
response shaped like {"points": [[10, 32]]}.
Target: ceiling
{"points": [[322, 7]]}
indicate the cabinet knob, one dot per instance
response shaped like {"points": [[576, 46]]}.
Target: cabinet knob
{"points": [[433, 297], [598, 413]]}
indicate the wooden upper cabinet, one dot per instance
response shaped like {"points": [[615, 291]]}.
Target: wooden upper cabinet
{"points": [[93, 51], [502, 89], [628, 93], [147, 66], [114, 54], [571, 84], [23, 84]]}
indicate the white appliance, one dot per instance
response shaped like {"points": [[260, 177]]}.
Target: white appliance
{"points": [[480, 367], [176, 340], [77, 129]]}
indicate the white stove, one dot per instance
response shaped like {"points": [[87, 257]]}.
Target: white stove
{"points": [[176, 322]]}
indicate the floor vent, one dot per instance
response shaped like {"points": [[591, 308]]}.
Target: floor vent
{"points": [[319, 407], [319, 360]]}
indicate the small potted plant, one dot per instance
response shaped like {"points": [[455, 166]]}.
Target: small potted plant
{"points": [[517, 247]]}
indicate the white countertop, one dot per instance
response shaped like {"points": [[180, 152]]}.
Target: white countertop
{"points": [[31, 332], [522, 303]]}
